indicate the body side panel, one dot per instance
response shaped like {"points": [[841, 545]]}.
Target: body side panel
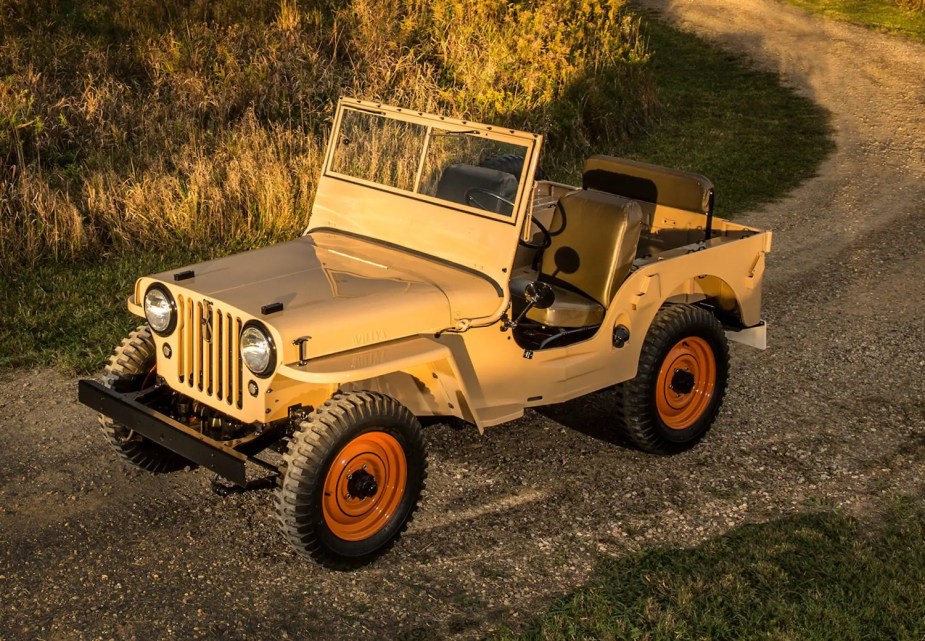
{"points": [[482, 375]]}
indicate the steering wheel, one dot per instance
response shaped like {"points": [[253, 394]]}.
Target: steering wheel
{"points": [[472, 200]]}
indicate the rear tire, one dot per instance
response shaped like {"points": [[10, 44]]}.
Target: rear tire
{"points": [[680, 384], [131, 368], [355, 471]]}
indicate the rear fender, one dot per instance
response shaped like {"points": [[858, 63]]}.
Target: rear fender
{"points": [[729, 273], [725, 271]]}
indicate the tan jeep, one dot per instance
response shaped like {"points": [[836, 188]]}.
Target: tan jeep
{"points": [[439, 276]]}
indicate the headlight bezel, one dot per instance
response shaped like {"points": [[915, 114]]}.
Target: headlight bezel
{"points": [[172, 321], [271, 361]]}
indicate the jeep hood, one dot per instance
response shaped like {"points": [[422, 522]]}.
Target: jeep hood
{"points": [[342, 291]]}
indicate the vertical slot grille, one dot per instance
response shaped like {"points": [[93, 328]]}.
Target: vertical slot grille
{"points": [[208, 345]]}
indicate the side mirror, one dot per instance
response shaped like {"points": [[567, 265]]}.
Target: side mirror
{"points": [[539, 295]]}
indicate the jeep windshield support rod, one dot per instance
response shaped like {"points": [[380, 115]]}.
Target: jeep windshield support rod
{"points": [[420, 172], [708, 232]]}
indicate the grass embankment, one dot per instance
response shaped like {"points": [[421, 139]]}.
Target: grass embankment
{"points": [[755, 139], [903, 17], [166, 123], [148, 142], [134, 128], [813, 576]]}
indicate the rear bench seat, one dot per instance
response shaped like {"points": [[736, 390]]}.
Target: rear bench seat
{"points": [[657, 189]]}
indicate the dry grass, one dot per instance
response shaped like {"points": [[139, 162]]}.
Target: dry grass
{"points": [[194, 124], [911, 5], [48, 318]]}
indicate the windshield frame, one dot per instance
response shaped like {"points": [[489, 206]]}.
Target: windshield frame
{"points": [[438, 126]]}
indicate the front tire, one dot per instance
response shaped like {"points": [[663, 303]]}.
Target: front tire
{"points": [[132, 368], [680, 384], [355, 471]]}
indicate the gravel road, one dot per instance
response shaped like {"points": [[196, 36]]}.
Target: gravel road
{"points": [[832, 414]]}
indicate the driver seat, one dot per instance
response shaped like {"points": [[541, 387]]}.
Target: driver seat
{"points": [[589, 257]]}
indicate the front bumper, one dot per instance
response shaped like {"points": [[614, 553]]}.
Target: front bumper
{"points": [[132, 409]]}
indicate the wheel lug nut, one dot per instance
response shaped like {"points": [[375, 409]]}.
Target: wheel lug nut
{"points": [[349, 477], [364, 466], [349, 496]]}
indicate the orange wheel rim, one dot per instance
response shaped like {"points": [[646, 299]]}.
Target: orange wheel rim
{"points": [[686, 382], [364, 486]]}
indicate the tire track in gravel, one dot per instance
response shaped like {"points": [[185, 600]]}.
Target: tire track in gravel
{"points": [[831, 414]]}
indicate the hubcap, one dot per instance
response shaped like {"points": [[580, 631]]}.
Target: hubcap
{"points": [[364, 486], [682, 381], [686, 381]]}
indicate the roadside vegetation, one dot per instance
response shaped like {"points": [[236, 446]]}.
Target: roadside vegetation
{"points": [[821, 575], [755, 139], [903, 17], [139, 135], [166, 123]]}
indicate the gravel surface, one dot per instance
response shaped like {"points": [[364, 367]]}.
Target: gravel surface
{"points": [[831, 415]]}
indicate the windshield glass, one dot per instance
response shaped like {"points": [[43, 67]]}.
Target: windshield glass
{"points": [[455, 167]]}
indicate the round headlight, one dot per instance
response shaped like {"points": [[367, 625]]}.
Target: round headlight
{"points": [[160, 310], [257, 350]]}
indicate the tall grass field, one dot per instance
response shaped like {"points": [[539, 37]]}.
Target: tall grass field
{"points": [[141, 135], [131, 124]]}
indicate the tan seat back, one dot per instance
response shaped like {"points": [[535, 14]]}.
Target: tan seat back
{"points": [[649, 183], [597, 244]]}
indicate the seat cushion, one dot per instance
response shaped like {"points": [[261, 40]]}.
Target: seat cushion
{"points": [[570, 309]]}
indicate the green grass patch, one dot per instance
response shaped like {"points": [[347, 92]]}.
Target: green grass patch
{"points": [[755, 139], [813, 576], [714, 115], [72, 315], [903, 18]]}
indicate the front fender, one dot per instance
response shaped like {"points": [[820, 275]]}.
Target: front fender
{"points": [[418, 372]]}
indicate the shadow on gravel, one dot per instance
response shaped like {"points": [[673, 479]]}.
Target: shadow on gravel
{"points": [[811, 576], [590, 415]]}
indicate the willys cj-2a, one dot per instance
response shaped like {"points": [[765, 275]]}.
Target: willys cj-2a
{"points": [[440, 276]]}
